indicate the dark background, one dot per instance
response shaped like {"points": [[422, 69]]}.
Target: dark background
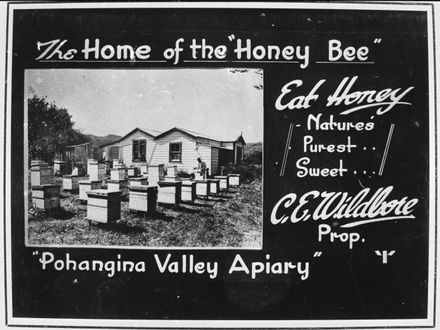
{"points": [[343, 283]]}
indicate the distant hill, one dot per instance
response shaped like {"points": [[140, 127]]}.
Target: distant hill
{"points": [[251, 148], [100, 140], [253, 152]]}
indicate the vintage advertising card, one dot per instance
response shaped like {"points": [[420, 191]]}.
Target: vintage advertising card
{"points": [[219, 164]]}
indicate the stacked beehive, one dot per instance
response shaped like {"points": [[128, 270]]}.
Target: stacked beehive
{"points": [[137, 176], [171, 173], [71, 182], [132, 171], [188, 191], [45, 194], [103, 206], [144, 169], [155, 174], [169, 192], [233, 180], [143, 198], [96, 174], [138, 181], [214, 187], [223, 183], [96, 171], [118, 180], [59, 167], [203, 188]]}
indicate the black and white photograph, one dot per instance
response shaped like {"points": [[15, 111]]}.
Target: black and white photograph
{"points": [[219, 165], [123, 150]]}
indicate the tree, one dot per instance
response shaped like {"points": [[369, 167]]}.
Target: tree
{"points": [[50, 129]]}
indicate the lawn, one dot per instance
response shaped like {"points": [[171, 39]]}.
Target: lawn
{"points": [[231, 219]]}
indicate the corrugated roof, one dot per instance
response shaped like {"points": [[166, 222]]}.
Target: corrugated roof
{"points": [[150, 131], [157, 134], [204, 136]]}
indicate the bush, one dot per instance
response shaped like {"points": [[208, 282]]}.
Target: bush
{"points": [[248, 171], [50, 130], [183, 174]]}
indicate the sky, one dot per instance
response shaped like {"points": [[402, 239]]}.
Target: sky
{"points": [[220, 103]]}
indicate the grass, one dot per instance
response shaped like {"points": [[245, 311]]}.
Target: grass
{"points": [[231, 219]]}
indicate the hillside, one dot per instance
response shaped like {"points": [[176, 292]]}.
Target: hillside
{"points": [[251, 148], [253, 152], [100, 140]]}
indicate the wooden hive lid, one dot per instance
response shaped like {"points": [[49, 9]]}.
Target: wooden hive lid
{"points": [[169, 183], [45, 186], [142, 188], [188, 183], [138, 178], [103, 193], [89, 181], [117, 181], [71, 176], [38, 163]]}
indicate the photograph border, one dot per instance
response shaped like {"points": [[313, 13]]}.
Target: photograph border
{"points": [[135, 247]]}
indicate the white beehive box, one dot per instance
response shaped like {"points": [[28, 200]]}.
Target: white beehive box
{"points": [[169, 192], [144, 168], [132, 171], [203, 188], [115, 162], [140, 181], [38, 163], [188, 191], [234, 180], [118, 185], [96, 171], [46, 197], [103, 206], [41, 173], [223, 181], [87, 185], [155, 174], [172, 170], [118, 173], [59, 167], [214, 186], [170, 178], [71, 182], [41, 176], [143, 198]]}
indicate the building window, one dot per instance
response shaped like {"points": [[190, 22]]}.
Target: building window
{"points": [[176, 152], [139, 150]]}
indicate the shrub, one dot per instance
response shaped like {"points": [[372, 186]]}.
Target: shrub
{"points": [[248, 171], [183, 174]]}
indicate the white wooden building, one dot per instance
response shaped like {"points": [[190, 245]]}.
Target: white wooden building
{"points": [[176, 146]]}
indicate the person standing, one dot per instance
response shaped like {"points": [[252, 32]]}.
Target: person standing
{"points": [[201, 167]]}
